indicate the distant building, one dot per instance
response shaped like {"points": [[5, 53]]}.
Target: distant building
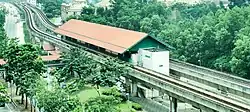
{"points": [[32, 2], [103, 3], [169, 2], [72, 8]]}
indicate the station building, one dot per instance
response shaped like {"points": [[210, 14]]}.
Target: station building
{"points": [[139, 48], [116, 41]]}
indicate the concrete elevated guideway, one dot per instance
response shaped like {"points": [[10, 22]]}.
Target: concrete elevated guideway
{"points": [[198, 97], [205, 100], [224, 82]]}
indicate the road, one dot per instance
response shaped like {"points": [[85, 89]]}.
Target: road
{"points": [[13, 26]]}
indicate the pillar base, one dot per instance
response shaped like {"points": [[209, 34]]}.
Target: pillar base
{"points": [[173, 104]]}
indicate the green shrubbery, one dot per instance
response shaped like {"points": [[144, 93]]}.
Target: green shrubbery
{"points": [[132, 110], [102, 104], [137, 106], [116, 93]]}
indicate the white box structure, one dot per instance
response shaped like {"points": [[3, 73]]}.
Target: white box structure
{"points": [[154, 59]]}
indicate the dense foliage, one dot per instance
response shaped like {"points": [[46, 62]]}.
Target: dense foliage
{"points": [[3, 36], [238, 3], [52, 8], [102, 104], [58, 100], [203, 34], [3, 95], [23, 66]]}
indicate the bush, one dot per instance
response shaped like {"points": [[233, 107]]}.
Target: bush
{"points": [[115, 92], [132, 110], [137, 106]]}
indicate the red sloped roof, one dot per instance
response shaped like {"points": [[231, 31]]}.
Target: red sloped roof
{"points": [[2, 62], [110, 38], [51, 58], [44, 58]]}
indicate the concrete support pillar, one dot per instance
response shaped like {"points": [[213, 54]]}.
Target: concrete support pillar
{"points": [[134, 88], [161, 94], [173, 104], [127, 85], [4, 74]]}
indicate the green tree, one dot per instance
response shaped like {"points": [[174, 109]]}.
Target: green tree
{"points": [[3, 36], [57, 100], [52, 8], [77, 63], [241, 54], [107, 73], [23, 65], [3, 42]]}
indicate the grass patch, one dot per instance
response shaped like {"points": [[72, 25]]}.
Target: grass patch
{"points": [[125, 107], [90, 92], [2, 82], [52, 20]]}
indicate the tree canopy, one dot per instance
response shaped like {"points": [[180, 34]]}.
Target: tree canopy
{"points": [[51, 7], [3, 36]]}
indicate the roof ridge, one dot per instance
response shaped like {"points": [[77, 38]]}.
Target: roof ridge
{"points": [[107, 26]]}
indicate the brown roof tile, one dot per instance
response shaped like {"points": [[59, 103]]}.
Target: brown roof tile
{"points": [[111, 38], [44, 58], [2, 62], [51, 57]]}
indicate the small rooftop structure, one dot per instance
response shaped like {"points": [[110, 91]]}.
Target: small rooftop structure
{"points": [[48, 47], [51, 58], [117, 40]]}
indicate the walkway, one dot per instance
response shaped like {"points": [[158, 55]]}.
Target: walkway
{"points": [[149, 105], [153, 106]]}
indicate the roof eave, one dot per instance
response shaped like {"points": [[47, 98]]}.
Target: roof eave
{"points": [[135, 43], [163, 43]]}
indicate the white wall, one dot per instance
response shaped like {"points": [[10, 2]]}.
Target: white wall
{"points": [[156, 61]]}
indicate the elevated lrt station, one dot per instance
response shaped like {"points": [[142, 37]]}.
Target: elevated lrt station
{"points": [[131, 46], [150, 56], [137, 48]]}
